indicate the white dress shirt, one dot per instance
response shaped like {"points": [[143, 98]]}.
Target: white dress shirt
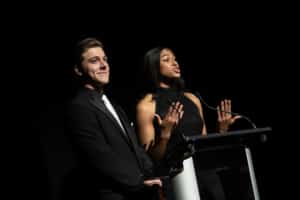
{"points": [[112, 111]]}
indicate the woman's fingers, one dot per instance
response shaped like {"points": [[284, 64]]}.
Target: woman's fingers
{"points": [[219, 113], [224, 110], [158, 118], [235, 118]]}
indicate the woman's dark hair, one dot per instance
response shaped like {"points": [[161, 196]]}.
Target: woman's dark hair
{"points": [[151, 72]]}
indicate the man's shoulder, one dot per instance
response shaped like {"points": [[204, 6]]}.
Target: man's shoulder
{"points": [[80, 99]]}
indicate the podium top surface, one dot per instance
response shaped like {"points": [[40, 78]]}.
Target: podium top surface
{"points": [[232, 138]]}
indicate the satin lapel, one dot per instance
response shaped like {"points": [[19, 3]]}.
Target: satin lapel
{"points": [[130, 132], [125, 123], [96, 102]]}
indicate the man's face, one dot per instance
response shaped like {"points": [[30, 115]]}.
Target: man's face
{"points": [[95, 65]]}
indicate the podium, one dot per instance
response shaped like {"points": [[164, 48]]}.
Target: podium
{"points": [[241, 139]]}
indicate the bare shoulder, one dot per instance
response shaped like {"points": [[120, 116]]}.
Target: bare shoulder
{"points": [[146, 105], [193, 98]]}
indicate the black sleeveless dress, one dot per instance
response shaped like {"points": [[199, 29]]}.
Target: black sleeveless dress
{"points": [[191, 124]]}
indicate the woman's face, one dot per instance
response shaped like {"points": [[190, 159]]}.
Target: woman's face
{"points": [[95, 65], [169, 67]]}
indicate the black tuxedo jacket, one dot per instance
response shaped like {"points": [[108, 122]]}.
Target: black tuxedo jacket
{"points": [[112, 164]]}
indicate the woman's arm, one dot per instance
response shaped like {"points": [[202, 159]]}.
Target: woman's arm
{"points": [[146, 131]]}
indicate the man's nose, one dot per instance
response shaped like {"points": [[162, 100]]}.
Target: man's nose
{"points": [[103, 66]]}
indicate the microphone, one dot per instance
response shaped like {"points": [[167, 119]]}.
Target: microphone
{"points": [[233, 113]]}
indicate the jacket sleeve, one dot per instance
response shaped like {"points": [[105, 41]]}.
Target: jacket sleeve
{"points": [[86, 135]]}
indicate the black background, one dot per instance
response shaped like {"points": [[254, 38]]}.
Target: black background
{"points": [[224, 53]]}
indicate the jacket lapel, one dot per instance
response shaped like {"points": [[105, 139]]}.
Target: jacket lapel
{"points": [[98, 104], [125, 123], [130, 132]]}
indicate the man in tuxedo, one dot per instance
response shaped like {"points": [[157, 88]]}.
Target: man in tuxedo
{"points": [[112, 164]]}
